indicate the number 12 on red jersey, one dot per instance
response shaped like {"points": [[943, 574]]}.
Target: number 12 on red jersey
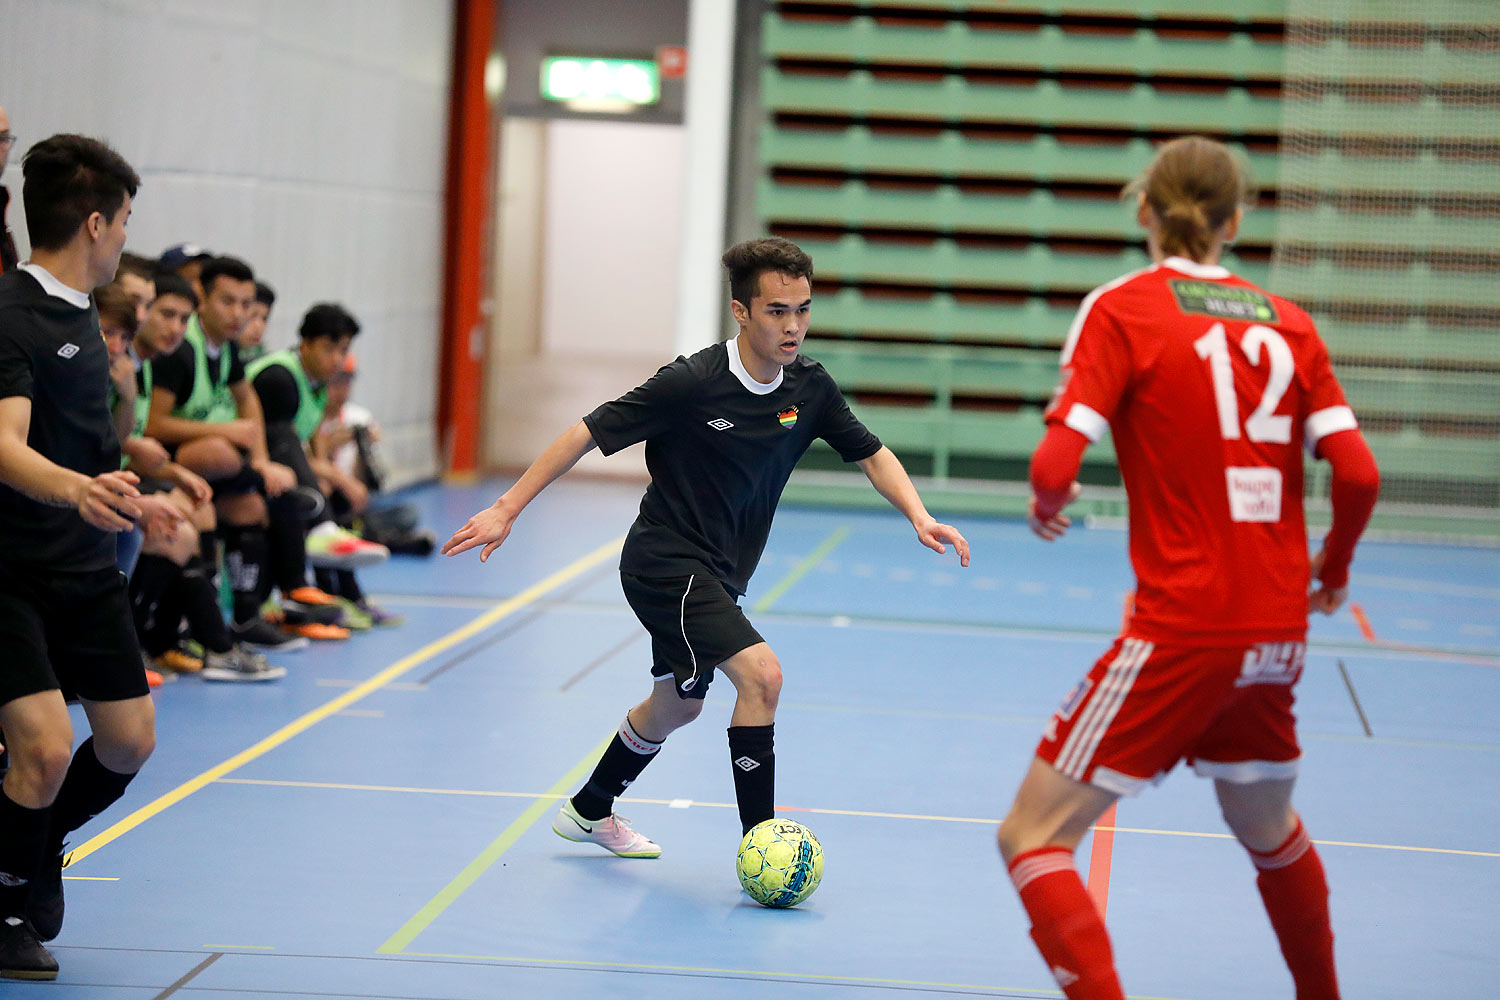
{"points": [[1254, 491]]}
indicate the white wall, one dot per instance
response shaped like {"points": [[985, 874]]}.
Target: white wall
{"points": [[306, 136], [593, 211], [614, 215]]}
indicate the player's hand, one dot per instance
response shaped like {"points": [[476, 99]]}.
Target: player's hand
{"points": [[279, 478], [122, 374], [194, 485], [934, 533], [1324, 599], [110, 502], [1052, 528], [146, 453], [160, 517], [489, 528]]}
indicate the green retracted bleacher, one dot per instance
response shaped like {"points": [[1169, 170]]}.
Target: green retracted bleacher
{"points": [[954, 170]]}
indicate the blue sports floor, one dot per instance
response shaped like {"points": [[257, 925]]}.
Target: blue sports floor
{"points": [[378, 824]]}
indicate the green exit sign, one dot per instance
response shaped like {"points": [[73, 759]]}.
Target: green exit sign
{"points": [[586, 80]]}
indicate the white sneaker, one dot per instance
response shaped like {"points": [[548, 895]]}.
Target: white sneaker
{"points": [[613, 833], [239, 664]]}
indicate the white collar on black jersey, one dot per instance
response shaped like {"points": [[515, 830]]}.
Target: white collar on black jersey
{"points": [[55, 288], [746, 379], [1193, 269]]}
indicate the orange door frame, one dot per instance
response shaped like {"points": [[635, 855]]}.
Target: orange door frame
{"points": [[466, 213]]}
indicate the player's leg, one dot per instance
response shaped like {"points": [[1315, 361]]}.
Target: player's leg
{"points": [[95, 653], [38, 735], [1050, 815], [1251, 752], [1290, 878], [756, 674]]}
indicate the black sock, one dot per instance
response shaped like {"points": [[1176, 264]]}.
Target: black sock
{"points": [[623, 761], [148, 585], [199, 600], [208, 547], [245, 562], [287, 545], [752, 751], [88, 790], [23, 845], [327, 581], [349, 588]]}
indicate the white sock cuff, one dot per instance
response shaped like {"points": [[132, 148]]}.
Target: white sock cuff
{"points": [[635, 740]]}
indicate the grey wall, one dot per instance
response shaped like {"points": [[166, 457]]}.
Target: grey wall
{"points": [[307, 136]]}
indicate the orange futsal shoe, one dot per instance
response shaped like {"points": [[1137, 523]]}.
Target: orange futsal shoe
{"points": [[313, 630]]}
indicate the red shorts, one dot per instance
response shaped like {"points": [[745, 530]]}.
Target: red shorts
{"points": [[1143, 707]]}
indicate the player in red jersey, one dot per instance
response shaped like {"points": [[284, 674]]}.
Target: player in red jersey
{"points": [[1211, 388]]}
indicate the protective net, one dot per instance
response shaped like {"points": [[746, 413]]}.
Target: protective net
{"points": [[1388, 232]]}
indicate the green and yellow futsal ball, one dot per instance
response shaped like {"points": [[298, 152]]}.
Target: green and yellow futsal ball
{"points": [[780, 863]]}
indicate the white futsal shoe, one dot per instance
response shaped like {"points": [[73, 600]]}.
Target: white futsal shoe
{"points": [[613, 833]]}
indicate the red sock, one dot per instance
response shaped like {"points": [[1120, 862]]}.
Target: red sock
{"points": [[1066, 925], [1295, 891]]}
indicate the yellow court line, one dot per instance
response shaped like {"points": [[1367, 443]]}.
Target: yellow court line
{"points": [[763, 973], [92, 878], [800, 570], [863, 813], [503, 609], [424, 917]]}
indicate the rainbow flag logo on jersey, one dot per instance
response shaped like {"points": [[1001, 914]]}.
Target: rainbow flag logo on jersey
{"points": [[788, 417]]}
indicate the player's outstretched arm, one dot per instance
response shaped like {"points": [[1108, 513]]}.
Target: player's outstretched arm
{"points": [[888, 476], [491, 526], [107, 501]]}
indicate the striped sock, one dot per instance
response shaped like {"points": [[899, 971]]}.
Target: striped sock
{"points": [[1066, 925], [624, 759], [1295, 890]]}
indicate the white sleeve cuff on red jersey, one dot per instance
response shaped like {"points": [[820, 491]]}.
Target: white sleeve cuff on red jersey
{"points": [[1328, 421], [1088, 421]]}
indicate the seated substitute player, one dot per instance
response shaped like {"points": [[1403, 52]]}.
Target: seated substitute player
{"points": [[1210, 387], [203, 408], [723, 430], [64, 617]]}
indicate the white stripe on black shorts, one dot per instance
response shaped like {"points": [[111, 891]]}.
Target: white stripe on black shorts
{"points": [[695, 625]]}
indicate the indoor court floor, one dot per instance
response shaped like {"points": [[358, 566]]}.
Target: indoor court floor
{"points": [[378, 824]]}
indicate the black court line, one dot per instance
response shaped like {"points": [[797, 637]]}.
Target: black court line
{"points": [[1349, 684], [634, 636], [189, 976], [537, 610]]}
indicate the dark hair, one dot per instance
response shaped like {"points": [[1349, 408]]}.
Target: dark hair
{"points": [[227, 267], [116, 307], [67, 179], [327, 319], [1194, 186], [134, 263], [265, 295], [747, 261], [170, 284]]}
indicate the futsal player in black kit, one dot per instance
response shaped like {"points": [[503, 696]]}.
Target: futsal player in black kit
{"points": [[723, 431], [65, 621]]}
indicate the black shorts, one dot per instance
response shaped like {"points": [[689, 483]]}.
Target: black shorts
{"points": [[695, 625], [68, 631]]}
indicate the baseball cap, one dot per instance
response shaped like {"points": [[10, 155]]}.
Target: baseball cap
{"points": [[174, 257]]}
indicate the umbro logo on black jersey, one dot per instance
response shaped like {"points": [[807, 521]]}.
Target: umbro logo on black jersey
{"points": [[718, 424], [67, 350]]}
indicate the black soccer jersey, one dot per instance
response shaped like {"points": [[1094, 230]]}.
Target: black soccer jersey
{"points": [[720, 447], [51, 353], [178, 371]]}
